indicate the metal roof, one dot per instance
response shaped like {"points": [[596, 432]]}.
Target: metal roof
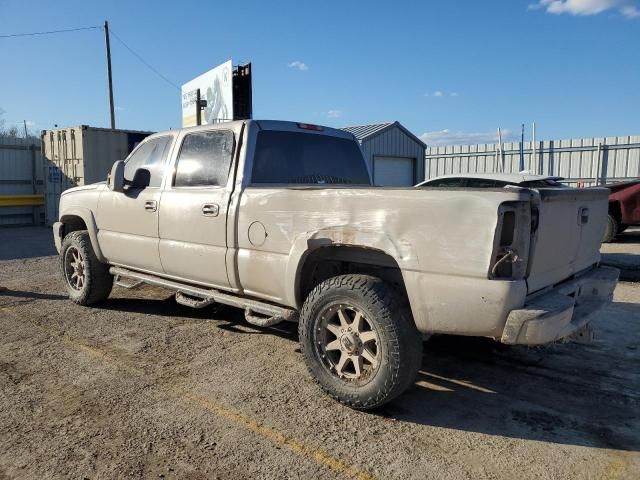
{"points": [[365, 132]]}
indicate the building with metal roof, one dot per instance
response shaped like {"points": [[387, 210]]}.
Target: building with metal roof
{"points": [[394, 155]]}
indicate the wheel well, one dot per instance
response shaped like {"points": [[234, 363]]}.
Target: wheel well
{"points": [[327, 262], [72, 223]]}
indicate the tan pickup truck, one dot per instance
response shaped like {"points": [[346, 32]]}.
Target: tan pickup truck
{"points": [[280, 219]]}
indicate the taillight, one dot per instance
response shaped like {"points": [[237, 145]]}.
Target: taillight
{"points": [[511, 244]]}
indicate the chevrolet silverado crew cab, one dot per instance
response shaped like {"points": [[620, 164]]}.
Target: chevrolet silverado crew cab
{"points": [[280, 219]]}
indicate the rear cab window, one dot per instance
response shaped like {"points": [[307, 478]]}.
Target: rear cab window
{"points": [[296, 158]]}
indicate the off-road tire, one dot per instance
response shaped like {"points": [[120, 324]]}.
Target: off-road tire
{"points": [[98, 281], [612, 229], [400, 341]]}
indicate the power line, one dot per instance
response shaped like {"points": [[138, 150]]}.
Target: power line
{"points": [[143, 60], [51, 32]]}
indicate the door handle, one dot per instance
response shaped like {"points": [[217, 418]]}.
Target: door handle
{"points": [[210, 210], [151, 205]]}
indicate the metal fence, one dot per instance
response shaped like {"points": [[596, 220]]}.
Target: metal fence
{"points": [[581, 161], [21, 181]]}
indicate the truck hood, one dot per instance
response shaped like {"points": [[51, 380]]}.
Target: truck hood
{"points": [[93, 186]]}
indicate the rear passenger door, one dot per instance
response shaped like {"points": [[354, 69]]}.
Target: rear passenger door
{"points": [[193, 212]]}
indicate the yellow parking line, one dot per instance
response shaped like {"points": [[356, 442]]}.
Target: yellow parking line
{"points": [[616, 468], [279, 438], [461, 383], [268, 433]]}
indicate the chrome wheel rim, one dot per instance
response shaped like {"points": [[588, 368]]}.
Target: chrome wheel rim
{"points": [[75, 268], [348, 343]]}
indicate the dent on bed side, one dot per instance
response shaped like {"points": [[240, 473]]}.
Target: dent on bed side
{"points": [[348, 236]]}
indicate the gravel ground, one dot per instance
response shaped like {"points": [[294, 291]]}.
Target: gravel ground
{"points": [[624, 253], [140, 387]]}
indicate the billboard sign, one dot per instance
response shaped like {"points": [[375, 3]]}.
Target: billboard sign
{"points": [[216, 87]]}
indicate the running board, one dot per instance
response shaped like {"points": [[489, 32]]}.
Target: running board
{"points": [[208, 295], [192, 302], [129, 286]]}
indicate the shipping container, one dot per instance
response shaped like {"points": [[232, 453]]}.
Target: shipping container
{"points": [[21, 182], [80, 156]]}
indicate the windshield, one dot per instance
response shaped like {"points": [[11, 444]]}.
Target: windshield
{"points": [[548, 183], [305, 158]]}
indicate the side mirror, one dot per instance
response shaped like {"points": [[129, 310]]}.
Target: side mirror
{"points": [[141, 179], [115, 180]]}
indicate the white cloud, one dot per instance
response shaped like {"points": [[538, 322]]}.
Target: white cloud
{"points": [[630, 11], [440, 93], [334, 113], [447, 137], [298, 65], [118, 108], [586, 7]]}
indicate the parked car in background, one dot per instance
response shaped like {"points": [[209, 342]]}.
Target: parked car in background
{"points": [[624, 208], [494, 180]]}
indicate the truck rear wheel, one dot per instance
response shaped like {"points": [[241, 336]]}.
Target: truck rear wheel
{"points": [[359, 343], [87, 280]]}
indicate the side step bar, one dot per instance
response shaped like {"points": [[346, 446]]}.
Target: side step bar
{"points": [[273, 313]]}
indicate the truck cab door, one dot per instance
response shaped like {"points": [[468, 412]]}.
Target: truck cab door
{"points": [[128, 221], [193, 214]]}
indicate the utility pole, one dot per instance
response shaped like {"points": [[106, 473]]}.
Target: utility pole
{"points": [[106, 36], [26, 134], [198, 109], [522, 149], [200, 104]]}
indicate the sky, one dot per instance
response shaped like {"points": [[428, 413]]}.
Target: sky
{"points": [[450, 71]]}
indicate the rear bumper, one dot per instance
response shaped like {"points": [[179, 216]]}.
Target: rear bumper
{"points": [[561, 311]]}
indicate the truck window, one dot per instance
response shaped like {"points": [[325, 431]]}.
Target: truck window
{"points": [[304, 158], [447, 182], [150, 155], [482, 183], [204, 159]]}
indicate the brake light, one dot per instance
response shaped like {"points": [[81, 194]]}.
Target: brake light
{"points": [[511, 244], [309, 126]]}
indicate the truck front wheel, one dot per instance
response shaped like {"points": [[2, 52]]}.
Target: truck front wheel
{"points": [[87, 279], [358, 341]]}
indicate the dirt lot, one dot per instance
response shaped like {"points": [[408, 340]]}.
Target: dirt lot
{"points": [[143, 388]]}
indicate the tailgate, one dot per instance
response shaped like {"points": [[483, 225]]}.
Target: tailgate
{"points": [[567, 240]]}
